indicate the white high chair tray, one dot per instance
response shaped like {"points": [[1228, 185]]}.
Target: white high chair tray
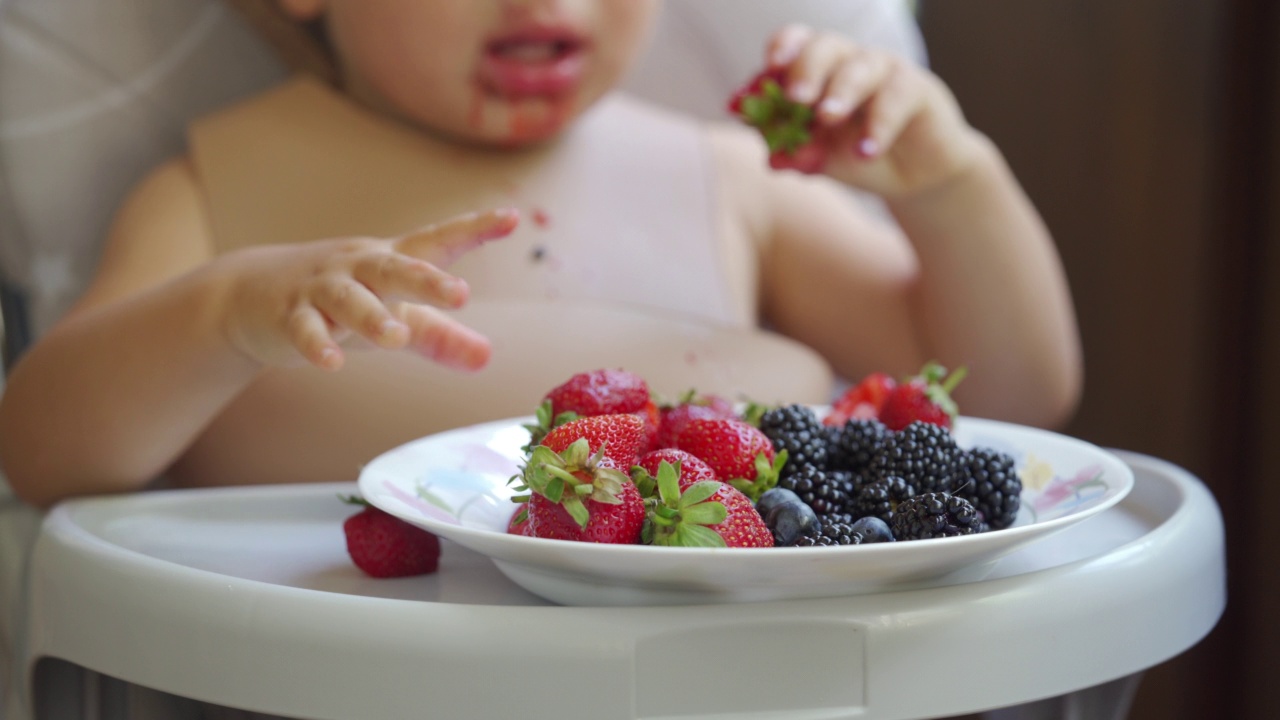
{"points": [[246, 597]]}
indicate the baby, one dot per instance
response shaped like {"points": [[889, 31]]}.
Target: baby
{"points": [[216, 344]]}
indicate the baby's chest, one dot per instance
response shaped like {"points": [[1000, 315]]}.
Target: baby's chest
{"points": [[596, 229]]}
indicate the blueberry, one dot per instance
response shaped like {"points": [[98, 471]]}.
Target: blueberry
{"points": [[772, 498], [791, 521], [872, 529]]}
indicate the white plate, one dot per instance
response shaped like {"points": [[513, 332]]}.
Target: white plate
{"points": [[455, 485]]}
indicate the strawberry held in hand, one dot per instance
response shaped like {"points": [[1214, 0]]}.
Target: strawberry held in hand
{"points": [[788, 127], [384, 546], [925, 398], [739, 453], [762, 104]]}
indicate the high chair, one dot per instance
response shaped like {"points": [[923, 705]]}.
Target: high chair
{"points": [[243, 597]]}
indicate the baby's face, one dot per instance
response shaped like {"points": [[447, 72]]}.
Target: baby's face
{"points": [[505, 72]]}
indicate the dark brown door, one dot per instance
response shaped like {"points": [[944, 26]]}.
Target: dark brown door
{"points": [[1146, 132]]}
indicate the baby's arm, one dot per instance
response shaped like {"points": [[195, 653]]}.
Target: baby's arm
{"points": [[167, 334], [969, 277]]}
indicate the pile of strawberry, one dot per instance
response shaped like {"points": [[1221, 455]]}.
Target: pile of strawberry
{"points": [[607, 463], [925, 398]]}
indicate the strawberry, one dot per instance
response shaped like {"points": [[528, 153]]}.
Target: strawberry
{"points": [[925, 397], [620, 437], [753, 88], [652, 417], [787, 126], [690, 406], [645, 471], [691, 467], [737, 451], [689, 512], [862, 401], [609, 522], [600, 392], [519, 522], [597, 392], [384, 546], [581, 494]]}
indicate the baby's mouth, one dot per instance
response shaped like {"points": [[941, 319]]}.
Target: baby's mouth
{"points": [[545, 63]]}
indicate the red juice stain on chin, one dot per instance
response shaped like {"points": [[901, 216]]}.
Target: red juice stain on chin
{"points": [[541, 218], [533, 121], [522, 123], [559, 115]]}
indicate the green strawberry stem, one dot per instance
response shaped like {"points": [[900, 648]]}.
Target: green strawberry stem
{"points": [[545, 423], [577, 470], [680, 519], [766, 476], [753, 412], [939, 385], [783, 123], [645, 482]]}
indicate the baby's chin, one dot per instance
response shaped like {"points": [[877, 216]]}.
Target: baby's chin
{"points": [[514, 123]]}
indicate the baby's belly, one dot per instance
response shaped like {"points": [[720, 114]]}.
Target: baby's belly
{"points": [[305, 425]]}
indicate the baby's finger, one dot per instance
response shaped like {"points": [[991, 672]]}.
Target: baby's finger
{"points": [[347, 303], [807, 76], [443, 243], [392, 275], [897, 101], [785, 45], [445, 340], [309, 333], [854, 80]]}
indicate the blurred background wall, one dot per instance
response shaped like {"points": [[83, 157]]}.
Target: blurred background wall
{"points": [[1148, 134]]}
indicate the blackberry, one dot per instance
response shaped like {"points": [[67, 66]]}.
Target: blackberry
{"points": [[926, 455], [934, 515], [988, 480], [823, 491], [832, 534], [846, 518], [880, 498], [853, 445], [796, 429]]}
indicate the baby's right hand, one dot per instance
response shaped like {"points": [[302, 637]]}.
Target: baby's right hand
{"points": [[280, 303]]}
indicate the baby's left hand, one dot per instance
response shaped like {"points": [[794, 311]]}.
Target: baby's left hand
{"points": [[881, 123]]}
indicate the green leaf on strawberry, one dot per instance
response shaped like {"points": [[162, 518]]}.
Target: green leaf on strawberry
{"points": [[567, 477], [681, 519], [785, 124], [544, 422], [767, 474]]}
